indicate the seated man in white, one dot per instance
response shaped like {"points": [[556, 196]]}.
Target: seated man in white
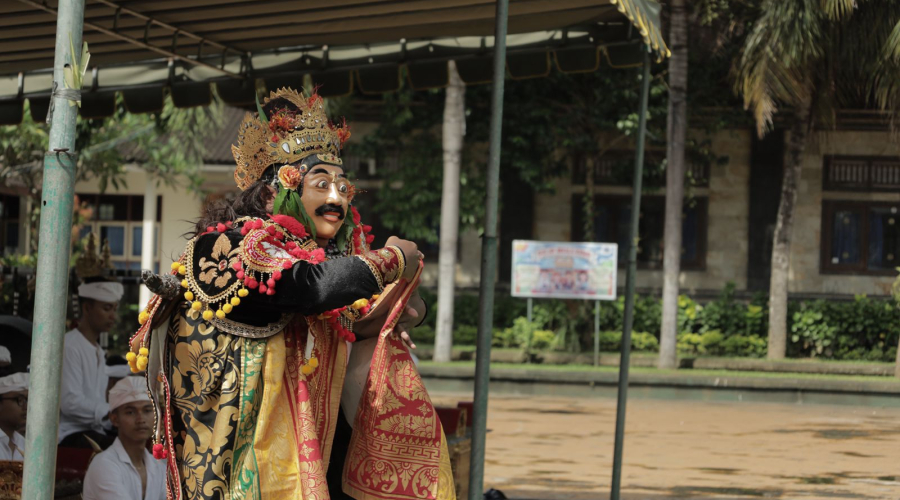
{"points": [[83, 406], [13, 409], [127, 471]]}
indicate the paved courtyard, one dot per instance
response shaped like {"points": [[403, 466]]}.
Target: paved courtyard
{"points": [[561, 448]]}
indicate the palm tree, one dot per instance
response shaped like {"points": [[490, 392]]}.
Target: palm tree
{"points": [[454, 130], [676, 131], [814, 57]]}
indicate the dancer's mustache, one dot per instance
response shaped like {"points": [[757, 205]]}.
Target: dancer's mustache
{"points": [[328, 207]]}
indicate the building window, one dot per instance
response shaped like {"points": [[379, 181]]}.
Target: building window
{"points": [[616, 168], [119, 220], [612, 219], [860, 237], [852, 173], [9, 224]]}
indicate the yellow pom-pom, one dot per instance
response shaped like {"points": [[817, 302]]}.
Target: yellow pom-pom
{"points": [[359, 304], [133, 366], [306, 369], [243, 292], [313, 362], [143, 351], [196, 305], [182, 269], [176, 266], [130, 356], [227, 308], [184, 283], [220, 314], [143, 317], [375, 297], [207, 315], [235, 301], [142, 363], [188, 295]]}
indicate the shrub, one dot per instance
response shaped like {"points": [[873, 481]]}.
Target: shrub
{"points": [[465, 335], [542, 340], [611, 340]]}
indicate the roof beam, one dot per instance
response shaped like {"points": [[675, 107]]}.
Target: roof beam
{"points": [[144, 45]]}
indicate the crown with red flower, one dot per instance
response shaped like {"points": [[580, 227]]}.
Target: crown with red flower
{"points": [[288, 128]]}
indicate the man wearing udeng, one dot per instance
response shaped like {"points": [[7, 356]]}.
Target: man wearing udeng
{"points": [[251, 358]]}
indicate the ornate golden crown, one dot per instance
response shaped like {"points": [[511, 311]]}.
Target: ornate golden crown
{"points": [[91, 265], [289, 127]]}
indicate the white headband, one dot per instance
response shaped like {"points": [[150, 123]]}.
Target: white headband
{"points": [[104, 291], [128, 390]]}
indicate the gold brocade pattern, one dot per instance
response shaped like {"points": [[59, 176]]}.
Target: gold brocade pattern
{"points": [[205, 385]]}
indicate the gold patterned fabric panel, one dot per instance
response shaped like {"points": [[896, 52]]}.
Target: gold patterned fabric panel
{"points": [[205, 382], [209, 262]]}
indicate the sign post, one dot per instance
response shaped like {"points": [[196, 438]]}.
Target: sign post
{"points": [[558, 270]]}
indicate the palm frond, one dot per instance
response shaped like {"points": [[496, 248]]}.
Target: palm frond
{"points": [[838, 9]]}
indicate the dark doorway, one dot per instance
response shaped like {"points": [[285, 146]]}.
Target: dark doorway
{"points": [[766, 171]]}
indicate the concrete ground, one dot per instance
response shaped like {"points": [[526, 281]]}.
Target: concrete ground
{"points": [[541, 447]]}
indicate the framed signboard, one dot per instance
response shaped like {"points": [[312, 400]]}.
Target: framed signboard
{"points": [[558, 270]]}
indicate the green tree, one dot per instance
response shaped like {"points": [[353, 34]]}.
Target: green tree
{"points": [[169, 145], [813, 57]]}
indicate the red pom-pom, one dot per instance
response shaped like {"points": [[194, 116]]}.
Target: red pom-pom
{"points": [[251, 283], [270, 282], [244, 230], [367, 228], [291, 245], [291, 224], [262, 288], [229, 223], [237, 265], [270, 291], [276, 275], [370, 238], [209, 229], [240, 275], [159, 452], [258, 223], [271, 230], [287, 265], [279, 236], [220, 227], [355, 213]]}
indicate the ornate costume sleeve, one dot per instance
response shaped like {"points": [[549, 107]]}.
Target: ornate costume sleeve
{"points": [[259, 267]]}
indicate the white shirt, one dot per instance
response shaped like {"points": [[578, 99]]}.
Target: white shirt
{"points": [[112, 476], [12, 449], [82, 403]]}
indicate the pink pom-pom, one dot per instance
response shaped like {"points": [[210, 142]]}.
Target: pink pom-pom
{"points": [[291, 245], [229, 223], [220, 227], [262, 288], [240, 275], [279, 236], [209, 229], [237, 265], [271, 230], [276, 275], [244, 230], [251, 283], [270, 291], [270, 282], [287, 265]]}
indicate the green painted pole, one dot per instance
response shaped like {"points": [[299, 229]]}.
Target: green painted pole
{"points": [[629, 281], [57, 194], [488, 261]]}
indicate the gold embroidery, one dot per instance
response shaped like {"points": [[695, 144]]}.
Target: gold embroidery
{"points": [[219, 266], [252, 332]]}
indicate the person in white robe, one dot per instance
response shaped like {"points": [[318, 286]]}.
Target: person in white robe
{"points": [[13, 411], [83, 405], [127, 471]]}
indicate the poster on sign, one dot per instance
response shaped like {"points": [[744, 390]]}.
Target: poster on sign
{"points": [[558, 270]]}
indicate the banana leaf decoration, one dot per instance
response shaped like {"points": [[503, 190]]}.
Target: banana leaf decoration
{"points": [[74, 73]]}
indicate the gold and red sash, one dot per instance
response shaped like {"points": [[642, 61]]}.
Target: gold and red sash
{"points": [[398, 450]]}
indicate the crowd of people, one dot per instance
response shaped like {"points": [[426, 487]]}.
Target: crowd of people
{"points": [[102, 407]]}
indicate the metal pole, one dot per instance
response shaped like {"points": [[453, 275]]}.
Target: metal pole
{"points": [[597, 333], [629, 282], [488, 261], [58, 191], [530, 306]]}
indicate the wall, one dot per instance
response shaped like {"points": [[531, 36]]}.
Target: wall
{"points": [[805, 273]]}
